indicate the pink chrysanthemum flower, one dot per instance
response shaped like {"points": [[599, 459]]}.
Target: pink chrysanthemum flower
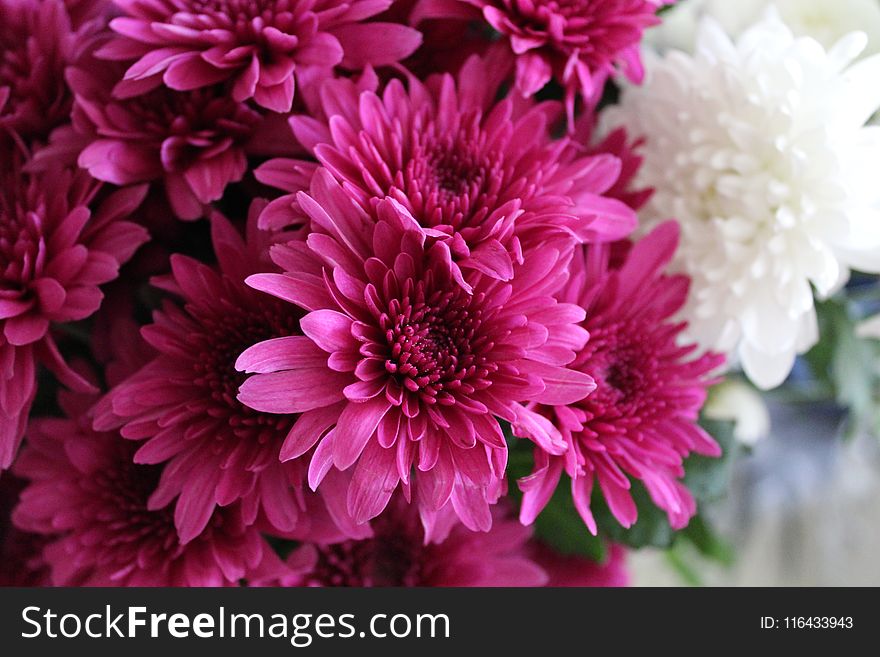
{"points": [[398, 554], [194, 142], [183, 403], [83, 11], [485, 176], [575, 570], [406, 365], [54, 253], [21, 553], [36, 43], [641, 421], [260, 46], [618, 144], [580, 43], [99, 510]]}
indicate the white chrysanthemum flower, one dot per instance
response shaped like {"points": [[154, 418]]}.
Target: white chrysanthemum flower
{"points": [[759, 149], [825, 20]]}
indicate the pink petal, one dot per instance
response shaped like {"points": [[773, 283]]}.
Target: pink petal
{"points": [[294, 391], [374, 480], [376, 44], [356, 426], [330, 330], [308, 429], [25, 329]]}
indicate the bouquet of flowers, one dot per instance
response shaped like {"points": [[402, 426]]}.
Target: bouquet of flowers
{"points": [[415, 292]]}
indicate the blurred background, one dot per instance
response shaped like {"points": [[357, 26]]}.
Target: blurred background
{"points": [[803, 510]]}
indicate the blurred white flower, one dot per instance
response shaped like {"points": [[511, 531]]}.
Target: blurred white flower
{"points": [[759, 149], [824, 20], [869, 328], [740, 403]]}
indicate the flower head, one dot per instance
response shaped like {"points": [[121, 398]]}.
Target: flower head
{"points": [[769, 170], [182, 404], [21, 552], [259, 46], [36, 43], [55, 252], [575, 570], [399, 554], [579, 43], [104, 524], [826, 21], [194, 142], [405, 363], [486, 177], [641, 421]]}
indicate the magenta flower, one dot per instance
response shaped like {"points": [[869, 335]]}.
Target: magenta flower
{"points": [[260, 46], [641, 421], [405, 364], [82, 11], [36, 43], [183, 404], [105, 525], [618, 144], [398, 554], [488, 178], [192, 141], [21, 553], [574, 570], [580, 43], [54, 253]]}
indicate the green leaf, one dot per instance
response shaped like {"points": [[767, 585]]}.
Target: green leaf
{"points": [[701, 535], [709, 478], [561, 526], [845, 363], [680, 560], [652, 528]]}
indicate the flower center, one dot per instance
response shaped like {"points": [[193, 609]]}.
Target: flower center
{"points": [[395, 556], [246, 18], [222, 337], [435, 343], [567, 8], [37, 98], [189, 126], [119, 494], [450, 178], [21, 246], [623, 359]]}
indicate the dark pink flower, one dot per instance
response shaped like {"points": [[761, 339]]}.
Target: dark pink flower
{"points": [[447, 42], [83, 11], [105, 526], [183, 404], [405, 363], [618, 144], [36, 43], [54, 253], [398, 554], [260, 46], [486, 177], [574, 570], [194, 142], [641, 421], [580, 43], [21, 552]]}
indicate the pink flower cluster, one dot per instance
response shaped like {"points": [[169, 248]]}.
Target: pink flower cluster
{"points": [[290, 273]]}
